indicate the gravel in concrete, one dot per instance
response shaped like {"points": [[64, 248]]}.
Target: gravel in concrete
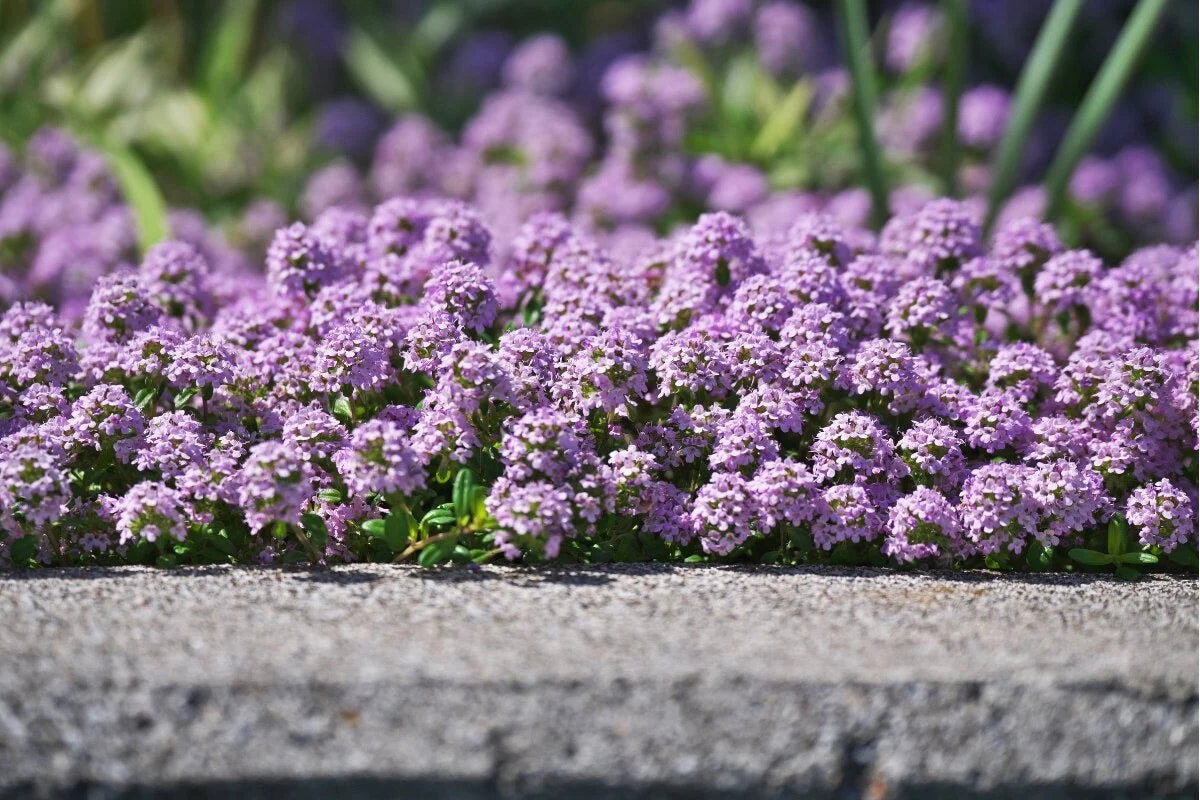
{"points": [[378, 681]]}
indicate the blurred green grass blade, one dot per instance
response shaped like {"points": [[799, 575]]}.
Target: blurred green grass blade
{"points": [[1030, 92], [35, 40], [955, 12], [852, 33], [784, 121], [228, 46], [141, 194], [1101, 96], [377, 73]]}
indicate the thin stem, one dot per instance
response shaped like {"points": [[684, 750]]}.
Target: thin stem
{"points": [[852, 33], [1031, 91], [302, 535], [1102, 95], [952, 86], [421, 545]]}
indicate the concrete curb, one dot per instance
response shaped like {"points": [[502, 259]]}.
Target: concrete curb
{"points": [[621, 681]]}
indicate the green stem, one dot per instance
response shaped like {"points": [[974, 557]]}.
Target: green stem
{"points": [[1031, 91], [302, 535], [1102, 95], [852, 33], [952, 86], [421, 545]]}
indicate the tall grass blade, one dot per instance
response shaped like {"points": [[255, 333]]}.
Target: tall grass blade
{"points": [[228, 47], [955, 12], [1030, 92], [852, 34], [141, 193], [1102, 95]]}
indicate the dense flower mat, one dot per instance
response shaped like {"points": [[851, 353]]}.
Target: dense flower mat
{"points": [[399, 384]]}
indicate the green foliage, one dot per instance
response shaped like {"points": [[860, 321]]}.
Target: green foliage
{"points": [[1100, 100]]}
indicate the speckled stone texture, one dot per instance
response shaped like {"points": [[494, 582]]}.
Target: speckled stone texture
{"points": [[622, 681]]}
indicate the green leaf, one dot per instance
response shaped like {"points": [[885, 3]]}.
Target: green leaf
{"points": [[294, 557], [24, 550], [315, 526], [1040, 69], [438, 517], [397, 529], [1128, 573], [185, 397], [851, 18], [1101, 98], [378, 74], [1138, 558], [279, 530], [166, 561], [1118, 540], [464, 483], [784, 120], [1090, 557], [1185, 556], [341, 409], [1038, 557], [225, 56], [145, 397], [437, 552], [330, 495], [141, 194], [375, 527], [694, 559], [479, 504]]}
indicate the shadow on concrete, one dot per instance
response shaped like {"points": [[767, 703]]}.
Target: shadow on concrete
{"points": [[378, 788]]}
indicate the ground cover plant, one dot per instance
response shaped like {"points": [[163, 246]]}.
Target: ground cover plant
{"points": [[707, 331]]}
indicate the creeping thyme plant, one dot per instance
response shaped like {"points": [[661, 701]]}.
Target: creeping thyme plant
{"points": [[612, 334]]}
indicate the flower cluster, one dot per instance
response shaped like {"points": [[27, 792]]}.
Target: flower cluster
{"points": [[397, 378]]}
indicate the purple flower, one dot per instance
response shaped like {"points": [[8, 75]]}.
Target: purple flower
{"points": [[785, 493], [995, 420], [1070, 498], [151, 510], [933, 452], [609, 374], [788, 37], [314, 433], [530, 515], [33, 483], [299, 263], [463, 291], [924, 524], [380, 458], [274, 485], [723, 512], [120, 306], [173, 443], [1164, 515], [921, 310], [854, 445], [743, 442], [1063, 282], [176, 274], [983, 116], [1023, 369], [938, 239], [105, 420], [540, 64], [848, 514], [996, 509]]}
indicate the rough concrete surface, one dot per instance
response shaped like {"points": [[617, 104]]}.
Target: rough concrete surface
{"points": [[624, 681]]}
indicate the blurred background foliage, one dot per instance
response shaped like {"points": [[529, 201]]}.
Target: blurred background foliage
{"points": [[219, 102]]}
